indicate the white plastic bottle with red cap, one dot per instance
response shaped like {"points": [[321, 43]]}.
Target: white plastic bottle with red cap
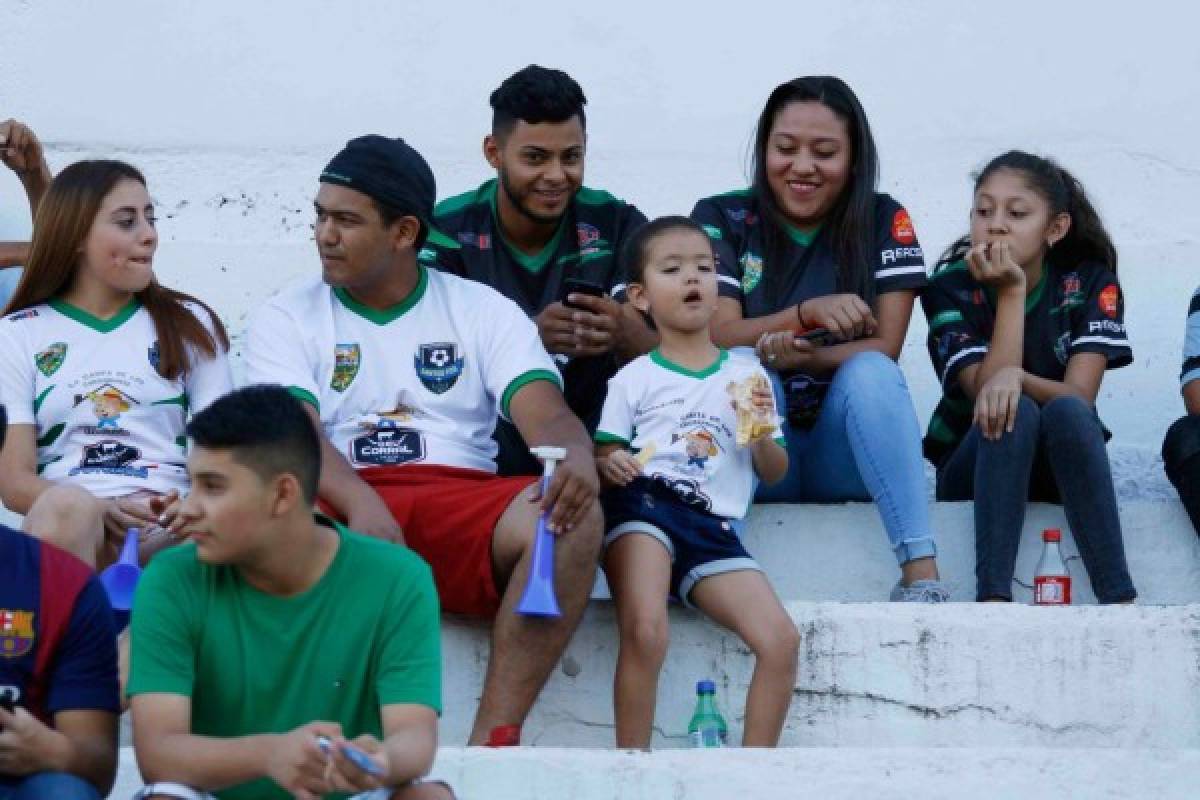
{"points": [[1051, 581]]}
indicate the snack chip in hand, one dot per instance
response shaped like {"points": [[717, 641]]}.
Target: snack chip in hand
{"points": [[753, 423]]}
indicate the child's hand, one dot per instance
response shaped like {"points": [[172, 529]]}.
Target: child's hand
{"points": [[620, 467]]}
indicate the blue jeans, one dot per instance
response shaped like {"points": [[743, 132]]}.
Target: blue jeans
{"points": [[1055, 450], [865, 445], [44, 785]]}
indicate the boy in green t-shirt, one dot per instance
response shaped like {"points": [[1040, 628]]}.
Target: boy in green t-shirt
{"points": [[278, 654]]}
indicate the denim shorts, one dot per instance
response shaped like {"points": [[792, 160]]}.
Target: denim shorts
{"points": [[699, 543]]}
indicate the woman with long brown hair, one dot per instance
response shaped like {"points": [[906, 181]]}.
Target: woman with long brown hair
{"points": [[99, 367]]}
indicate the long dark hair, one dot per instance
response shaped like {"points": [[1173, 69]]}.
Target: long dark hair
{"points": [[1086, 239], [851, 221], [64, 219]]}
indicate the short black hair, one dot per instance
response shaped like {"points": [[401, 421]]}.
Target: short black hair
{"points": [[633, 256], [389, 214], [267, 430], [536, 94]]}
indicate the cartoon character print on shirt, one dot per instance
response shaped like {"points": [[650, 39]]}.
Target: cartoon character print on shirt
{"points": [[438, 366], [699, 445], [108, 403], [101, 399], [388, 442]]}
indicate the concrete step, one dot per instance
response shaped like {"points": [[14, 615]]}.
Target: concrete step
{"points": [[817, 553], [828, 773], [894, 675]]}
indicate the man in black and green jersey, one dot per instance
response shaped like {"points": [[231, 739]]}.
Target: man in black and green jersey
{"points": [[537, 235]]}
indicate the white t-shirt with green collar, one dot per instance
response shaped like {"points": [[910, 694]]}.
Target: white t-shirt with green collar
{"points": [[105, 419], [687, 422], [421, 382]]}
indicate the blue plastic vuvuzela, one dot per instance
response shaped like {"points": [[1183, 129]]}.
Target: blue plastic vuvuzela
{"points": [[538, 599], [120, 580]]}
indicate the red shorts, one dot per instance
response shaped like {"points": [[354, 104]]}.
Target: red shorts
{"points": [[449, 516]]}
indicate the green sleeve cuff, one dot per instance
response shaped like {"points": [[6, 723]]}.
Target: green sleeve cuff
{"points": [[304, 396], [523, 380], [600, 437]]}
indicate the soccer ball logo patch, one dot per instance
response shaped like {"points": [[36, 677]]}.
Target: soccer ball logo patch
{"points": [[438, 365]]}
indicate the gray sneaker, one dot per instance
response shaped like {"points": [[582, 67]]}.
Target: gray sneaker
{"points": [[926, 591]]}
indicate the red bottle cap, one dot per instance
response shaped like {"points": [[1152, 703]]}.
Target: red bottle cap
{"points": [[1052, 535], [504, 736]]}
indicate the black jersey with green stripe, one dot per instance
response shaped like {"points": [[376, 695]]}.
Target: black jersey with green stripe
{"points": [[468, 242], [807, 269], [1069, 311], [585, 247]]}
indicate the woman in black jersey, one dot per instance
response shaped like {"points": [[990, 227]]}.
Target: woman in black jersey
{"points": [[1025, 315], [812, 245]]}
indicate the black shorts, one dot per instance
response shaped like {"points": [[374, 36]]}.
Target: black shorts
{"points": [[699, 544]]}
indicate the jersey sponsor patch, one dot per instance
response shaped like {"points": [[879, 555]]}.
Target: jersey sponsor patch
{"points": [[110, 457], [481, 240], [752, 267], [346, 360], [902, 228], [438, 365], [49, 360], [1108, 300], [28, 313], [388, 447], [16, 634]]}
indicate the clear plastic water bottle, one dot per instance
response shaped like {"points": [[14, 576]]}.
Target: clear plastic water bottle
{"points": [[707, 728], [1051, 581]]}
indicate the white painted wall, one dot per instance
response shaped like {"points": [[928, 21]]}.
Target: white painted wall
{"points": [[232, 109]]}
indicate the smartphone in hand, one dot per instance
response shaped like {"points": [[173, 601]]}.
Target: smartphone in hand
{"points": [[576, 286]]}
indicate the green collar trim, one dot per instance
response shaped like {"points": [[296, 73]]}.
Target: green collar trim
{"points": [[802, 238], [531, 263], [95, 323], [658, 358], [383, 316]]}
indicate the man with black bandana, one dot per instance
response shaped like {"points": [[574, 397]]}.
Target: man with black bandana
{"points": [[405, 371], [534, 228]]}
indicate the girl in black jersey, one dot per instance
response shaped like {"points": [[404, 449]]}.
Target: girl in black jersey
{"points": [[809, 245], [1025, 315]]}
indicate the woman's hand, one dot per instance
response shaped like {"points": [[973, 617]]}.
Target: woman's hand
{"points": [[992, 264], [996, 403], [783, 351], [843, 314]]}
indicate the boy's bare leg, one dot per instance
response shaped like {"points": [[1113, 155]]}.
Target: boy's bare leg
{"points": [[524, 649]]}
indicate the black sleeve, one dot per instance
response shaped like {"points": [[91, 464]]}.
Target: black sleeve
{"points": [[954, 342], [1098, 326], [901, 262], [629, 220], [729, 271]]}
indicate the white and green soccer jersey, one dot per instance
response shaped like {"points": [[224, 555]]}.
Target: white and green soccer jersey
{"points": [[105, 419], [684, 425], [421, 382]]}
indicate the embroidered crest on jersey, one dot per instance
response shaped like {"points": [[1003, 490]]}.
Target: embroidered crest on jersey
{"points": [[902, 228], [1108, 300], [438, 365], [16, 633], [1071, 290], [752, 268], [1060, 347], [346, 361], [153, 354], [111, 458], [49, 360]]}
